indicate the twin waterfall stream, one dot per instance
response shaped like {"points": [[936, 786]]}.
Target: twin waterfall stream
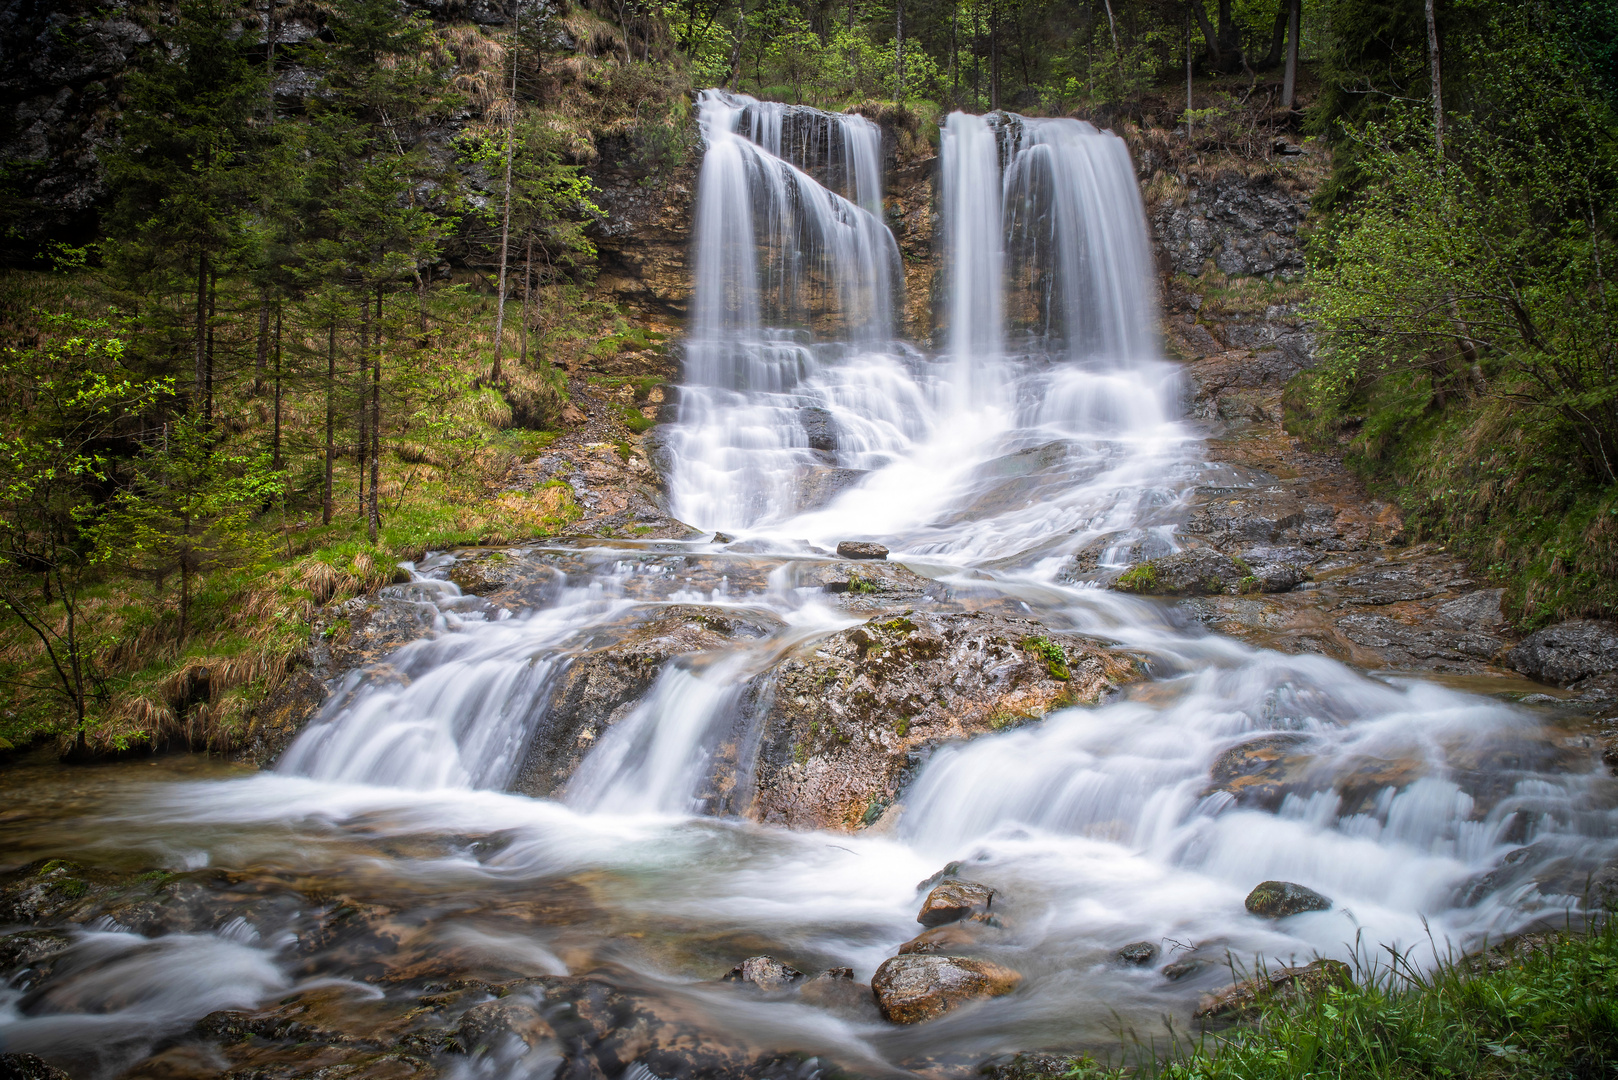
{"points": [[1047, 419]]}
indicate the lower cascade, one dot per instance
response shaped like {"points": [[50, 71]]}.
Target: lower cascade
{"points": [[649, 762]]}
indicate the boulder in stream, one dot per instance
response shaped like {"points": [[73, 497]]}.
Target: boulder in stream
{"points": [[1277, 984], [767, 973], [1278, 899], [850, 717], [915, 987], [1137, 954], [953, 900]]}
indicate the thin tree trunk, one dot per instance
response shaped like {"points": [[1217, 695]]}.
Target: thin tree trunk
{"points": [[261, 360], [200, 387], [994, 57], [374, 524], [977, 64], [1188, 65], [269, 56], [275, 444], [954, 52], [1290, 82], [1112, 23], [505, 214], [331, 420], [1438, 91], [364, 444], [899, 51], [213, 295], [527, 295]]}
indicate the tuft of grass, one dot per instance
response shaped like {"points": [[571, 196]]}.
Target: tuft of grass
{"points": [[1054, 655], [1141, 578]]}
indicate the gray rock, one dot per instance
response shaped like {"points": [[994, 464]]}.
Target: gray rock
{"points": [[1568, 652], [1137, 954], [1277, 984], [836, 991], [1278, 899], [913, 988], [1193, 572], [820, 484], [820, 428], [1477, 611], [767, 973], [861, 549]]}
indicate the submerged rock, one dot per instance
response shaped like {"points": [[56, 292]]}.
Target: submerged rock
{"points": [[29, 1067], [604, 685], [912, 988], [952, 937], [849, 718], [1285, 984], [488, 1026], [1278, 899], [1204, 571], [954, 900], [836, 991], [820, 484], [767, 973], [1138, 954], [861, 549]]}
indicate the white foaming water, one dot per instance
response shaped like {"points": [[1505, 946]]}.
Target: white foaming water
{"points": [[1047, 420]]}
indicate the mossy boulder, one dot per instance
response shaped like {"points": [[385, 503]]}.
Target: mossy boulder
{"points": [[1278, 899]]}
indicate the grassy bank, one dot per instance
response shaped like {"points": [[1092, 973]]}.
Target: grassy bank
{"points": [[1543, 1007], [448, 444]]}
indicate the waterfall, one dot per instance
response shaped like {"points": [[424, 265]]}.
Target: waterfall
{"points": [[1045, 423]]}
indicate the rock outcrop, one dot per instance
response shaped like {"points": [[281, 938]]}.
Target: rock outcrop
{"points": [[848, 719], [1570, 653], [602, 686]]}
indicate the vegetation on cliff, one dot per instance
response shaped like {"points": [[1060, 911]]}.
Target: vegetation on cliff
{"points": [[1470, 332]]}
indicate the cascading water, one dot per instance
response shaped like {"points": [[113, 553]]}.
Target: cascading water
{"points": [[1047, 422]]}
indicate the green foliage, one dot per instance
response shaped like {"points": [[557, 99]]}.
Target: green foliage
{"points": [[1471, 360], [1054, 655], [1141, 578], [190, 509]]}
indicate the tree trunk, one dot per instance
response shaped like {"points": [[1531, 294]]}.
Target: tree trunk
{"points": [[1112, 24], [374, 523], [331, 421], [1188, 105], [1278, 38], [1210, 37], [994, 57], [899, 51], [527, 295], [1290, 83], [1438, 91], [363, 445], [269, 56], [275, 444], [954, 52], [261, 361], [200, 386], [505, 214], [213, 295]]}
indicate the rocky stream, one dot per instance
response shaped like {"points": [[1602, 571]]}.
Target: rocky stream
{"points": [[946, 676]]}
